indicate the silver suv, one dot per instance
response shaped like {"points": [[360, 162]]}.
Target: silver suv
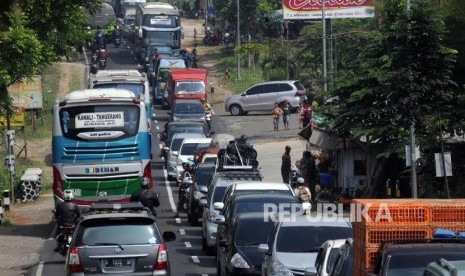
{"points": [[263, 96]]}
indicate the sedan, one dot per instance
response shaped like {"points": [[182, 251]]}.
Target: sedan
{"points": [[187, 111], [198, 190]]}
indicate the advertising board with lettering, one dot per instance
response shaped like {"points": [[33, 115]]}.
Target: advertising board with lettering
{"points": [[99, 119], [312, 9]]}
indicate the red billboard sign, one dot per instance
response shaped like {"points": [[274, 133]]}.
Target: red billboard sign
{"points": [[312, 9]]}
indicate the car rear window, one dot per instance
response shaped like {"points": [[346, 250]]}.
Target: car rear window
{"points": [[415, 263], [120, 231], [308, 238], [299, 85], [176, 144], [261, 230]]}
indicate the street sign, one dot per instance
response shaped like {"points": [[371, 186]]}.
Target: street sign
{"points": [[439, 164]]}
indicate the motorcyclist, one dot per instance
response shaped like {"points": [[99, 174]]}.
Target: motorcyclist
{"points": [[186, 176], [100, 36], [147, 197], [66, 213]]}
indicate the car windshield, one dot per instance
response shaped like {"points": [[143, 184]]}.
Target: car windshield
{"points": [[188, 108], [253, 206], [185, 87], [261, 230], [189, 148], [218, 193], [332, 257], [176, 144], [415, 263], [210, 160], [312, 238], [203, 177], [173, 131], [94, 233]]}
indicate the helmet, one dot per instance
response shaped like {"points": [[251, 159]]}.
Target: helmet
{"points": [[300, 180], [243, 137], [184, 165], [68, 195], [145, 183]]}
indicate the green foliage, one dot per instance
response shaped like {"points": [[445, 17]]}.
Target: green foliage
{"points": [[402, 74]]}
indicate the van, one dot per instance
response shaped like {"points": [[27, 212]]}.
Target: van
{"points": [[263, 96], [131, 80]]}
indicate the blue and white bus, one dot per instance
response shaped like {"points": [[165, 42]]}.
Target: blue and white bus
{"points": [[100, 145]]}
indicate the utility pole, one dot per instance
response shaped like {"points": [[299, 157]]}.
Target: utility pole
{"points": [[238, 39], [413, 171], [325, 73], [287, 52]]}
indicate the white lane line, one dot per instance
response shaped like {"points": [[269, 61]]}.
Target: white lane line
{"points": [[156, 121], [178, 220], [39, 269], [170, 193], [160, 145], [195, 259], [182, 231], [204, 274], [188, 244], [157, 127]]}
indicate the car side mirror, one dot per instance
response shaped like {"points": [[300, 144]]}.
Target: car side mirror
{"points": [[223, 243], [263, 248], [218, 206], [310, 271], [169, 236], [243, 94], [204, 189], [203, 202]]}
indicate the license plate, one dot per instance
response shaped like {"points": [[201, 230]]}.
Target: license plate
{"points": [[117, 262]]}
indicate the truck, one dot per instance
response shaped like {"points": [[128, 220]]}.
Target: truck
{"points": [[185, 84]]}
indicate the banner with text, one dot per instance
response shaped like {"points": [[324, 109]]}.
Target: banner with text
{"points": [[312, 9]]}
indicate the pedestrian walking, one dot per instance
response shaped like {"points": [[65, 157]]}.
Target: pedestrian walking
{"points": [[276, 114], [300, 114], [306, 114], [286, 165], [286, 114]]}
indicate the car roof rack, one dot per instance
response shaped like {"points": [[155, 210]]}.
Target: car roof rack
{"points": [[117, 207]]}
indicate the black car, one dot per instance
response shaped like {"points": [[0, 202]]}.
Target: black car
{"points": [[240, 255], [344, 263], [251, 203], [198, 190], [118, 238], [190, 110]]}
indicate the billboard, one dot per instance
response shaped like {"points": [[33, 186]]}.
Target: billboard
{"points": [[27, 94], [16, 120], [312, 9]]}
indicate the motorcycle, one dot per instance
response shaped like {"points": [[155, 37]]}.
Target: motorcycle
{"points": [[117, 37], [94, 63], [102, 53], [184, 187], [64, 237]]}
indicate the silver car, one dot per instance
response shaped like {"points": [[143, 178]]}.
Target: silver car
{"points": [[172, 151], [263, 96], [294, 244], [216, 191], [118, 238]]}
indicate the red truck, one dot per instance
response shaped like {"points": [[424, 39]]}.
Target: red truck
{"points": [[185, 84]]}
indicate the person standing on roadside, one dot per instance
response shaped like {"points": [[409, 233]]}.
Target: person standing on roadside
{"points": [[286, 165], [286, 114], [300, 114], [306, 114], [276, 113]]}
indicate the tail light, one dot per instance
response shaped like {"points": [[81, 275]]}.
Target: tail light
{"points": [[148, 174], [298, 94], [57, 185], [74, 263], [162, 259]]}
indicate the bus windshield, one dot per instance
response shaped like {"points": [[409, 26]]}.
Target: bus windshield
{"points": [[171, 39], [98, 121], [136, 88]]}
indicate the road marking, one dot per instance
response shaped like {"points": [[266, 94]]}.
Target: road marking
{"points": [[188, 244], [160, 145], [39, 269], [182, 231], [170, 193], [204, 274], [195, 259], [178, 220], [157, 127], [156, 121]]}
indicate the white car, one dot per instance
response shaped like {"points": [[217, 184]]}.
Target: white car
{"points": [[294, 244], [186, 151], [326, 258], [172, 151]]}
